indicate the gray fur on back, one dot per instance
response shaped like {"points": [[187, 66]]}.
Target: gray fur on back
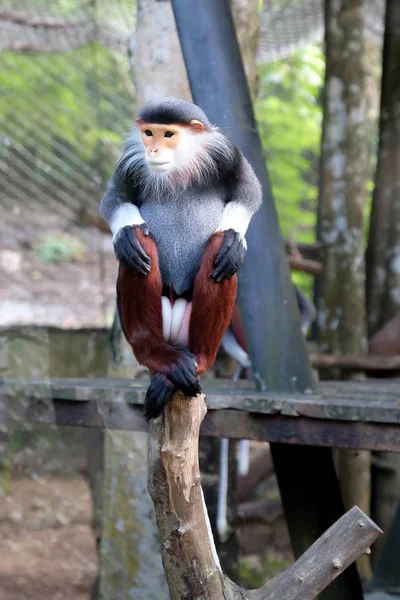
{"points": [[181, 228]]}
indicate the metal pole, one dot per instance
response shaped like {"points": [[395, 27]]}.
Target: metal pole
{"points": [[266, 296]]}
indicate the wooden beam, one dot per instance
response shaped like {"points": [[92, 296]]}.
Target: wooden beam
{"points": [[354, 419], [370, 401]]}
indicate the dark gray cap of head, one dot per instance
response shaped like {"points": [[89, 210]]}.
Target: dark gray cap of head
{"points": [[169, 110]]}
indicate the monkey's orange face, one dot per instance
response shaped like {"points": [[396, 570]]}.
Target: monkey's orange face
{"points": [[166, 145]]}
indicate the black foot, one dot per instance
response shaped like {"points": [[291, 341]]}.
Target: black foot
{"points": [[181, 377], [231, 256], [128, 250], [159, 393]]}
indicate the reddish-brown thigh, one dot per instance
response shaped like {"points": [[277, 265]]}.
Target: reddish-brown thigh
{"points": [[237, 328], [139, 298], [212, 308]]}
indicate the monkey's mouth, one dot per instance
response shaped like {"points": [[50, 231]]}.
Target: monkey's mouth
{"points": [[159, 166]]}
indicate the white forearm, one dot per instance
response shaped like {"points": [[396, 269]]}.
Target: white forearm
{"points": [[126, 214], [236, 217]]}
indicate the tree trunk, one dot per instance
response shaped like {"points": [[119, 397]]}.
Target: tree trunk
{"points": [[341, 313], [158, 69], [383, 254], [246, 17], [342, 303], [227, 547], [155, 54]]}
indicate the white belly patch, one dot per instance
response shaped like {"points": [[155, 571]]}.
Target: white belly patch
{"points": [[176, 319]]}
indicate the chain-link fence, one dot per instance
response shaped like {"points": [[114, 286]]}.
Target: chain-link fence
{"points": [[67, 92], [287, 25], [66, 98]]}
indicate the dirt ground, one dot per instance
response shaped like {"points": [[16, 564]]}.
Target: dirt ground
{"points": [[47, 550]]}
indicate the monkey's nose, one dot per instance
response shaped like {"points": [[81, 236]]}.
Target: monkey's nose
{"points": [[154, 150]]}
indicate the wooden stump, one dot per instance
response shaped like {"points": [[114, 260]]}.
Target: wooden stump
{"points": [[191, 568]]}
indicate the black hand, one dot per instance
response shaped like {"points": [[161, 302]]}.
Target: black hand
{"points": [[128, 250], [184, 374], [231, 256]]}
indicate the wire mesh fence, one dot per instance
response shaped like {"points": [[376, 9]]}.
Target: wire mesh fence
{"points": [[287, 25], [67, 94], [67, 97]]}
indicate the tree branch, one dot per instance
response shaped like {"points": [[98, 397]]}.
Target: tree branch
{"points": [[188, 551], [306, 266], [329, 556], [355, 363], [309, 251], [260, 511]]}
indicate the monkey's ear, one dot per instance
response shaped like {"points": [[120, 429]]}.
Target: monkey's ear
{"points": [[139, 122], [196, 125]]}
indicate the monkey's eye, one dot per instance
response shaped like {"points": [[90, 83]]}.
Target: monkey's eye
{"points": [[148, 133], [168, 134]]}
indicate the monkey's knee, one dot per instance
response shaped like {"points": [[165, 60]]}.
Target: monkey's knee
{"points": [[149, 246], [211, 252], [230, 257], [224, 255], [211, 314], [205, 361]]}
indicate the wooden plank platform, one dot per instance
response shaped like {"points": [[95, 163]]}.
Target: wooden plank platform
{"points": [[342, 414], [381, 596]]}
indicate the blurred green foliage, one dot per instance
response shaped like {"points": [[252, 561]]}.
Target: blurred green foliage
{"points": [[62, 116], [254, 574], [59, 247], [289, 113]]}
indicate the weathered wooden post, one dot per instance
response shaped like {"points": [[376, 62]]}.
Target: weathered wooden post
{"points": [[306, 476]]}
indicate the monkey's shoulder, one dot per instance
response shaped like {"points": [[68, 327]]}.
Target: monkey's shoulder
{"points": [[228, 161]]}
